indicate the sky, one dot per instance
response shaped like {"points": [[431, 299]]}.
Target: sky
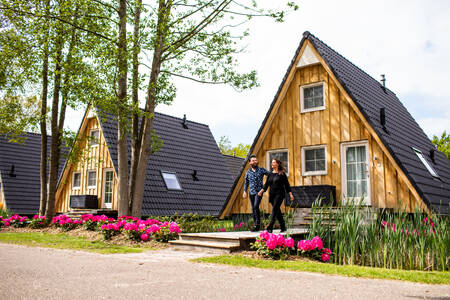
{"points": [[406, 40]]}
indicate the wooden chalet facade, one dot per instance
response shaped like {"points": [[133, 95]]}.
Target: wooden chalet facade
{"points": [[335, 126], [187, 175]]}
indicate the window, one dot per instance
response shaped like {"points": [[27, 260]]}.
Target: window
{"points": [[282, 155], [314, 160], [425, 162], [76, 183], [312, 97], [94, 138], [171, 181], [92, 179]]}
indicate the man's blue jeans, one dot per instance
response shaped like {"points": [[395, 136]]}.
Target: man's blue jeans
{"points": [[255, 200]]}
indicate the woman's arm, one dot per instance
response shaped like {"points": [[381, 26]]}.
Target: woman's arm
{"points": [[287, 186], [265, 187]]}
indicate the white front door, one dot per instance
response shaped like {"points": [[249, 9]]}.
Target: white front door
{"points": [[108, 187], [355, 172]]}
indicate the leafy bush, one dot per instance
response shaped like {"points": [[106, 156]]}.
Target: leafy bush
{"points": [[38, 222], [110, 230], [401, 240], [273, 246], [65, 223], [314, 249]]}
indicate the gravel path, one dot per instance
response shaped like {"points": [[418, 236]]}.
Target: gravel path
{"points": [[38, 273]]}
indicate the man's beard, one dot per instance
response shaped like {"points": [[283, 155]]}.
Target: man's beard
{"points": [[255, 166]]}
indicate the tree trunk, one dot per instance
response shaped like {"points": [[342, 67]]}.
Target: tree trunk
{"points": [[122, 149], [54, 148], [43, 122], [147, 124], [136, 140]]}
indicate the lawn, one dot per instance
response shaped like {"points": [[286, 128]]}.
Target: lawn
{"points": [[63, 241], [346, 270]]}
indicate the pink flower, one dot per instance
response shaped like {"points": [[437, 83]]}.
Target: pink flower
{"points": [[7, 223], [289, 242], [272, 242], [326, 251], [35, 217], [174, 227], [264, 235], [144, 237], [325, 257], [280, 240], [154, 228], [317, 242]]}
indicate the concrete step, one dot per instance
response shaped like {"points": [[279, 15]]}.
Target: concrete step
{"points": [[208, 246]]}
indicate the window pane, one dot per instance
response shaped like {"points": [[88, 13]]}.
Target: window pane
{"points": [[351, 155], [320, 153], [310, 166], [95, 134], [76, 179], [171, 181], [351, 188], [281, 155], [351, 172], [313, 96], [92, 178], [320, 165], [309, 155]]}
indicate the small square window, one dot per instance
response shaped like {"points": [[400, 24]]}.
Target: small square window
{"points": [[312, 97], [282, 155], [171, 181], [94, 137], [425, 162], [314, 160], [92, 179], [76, 183]]}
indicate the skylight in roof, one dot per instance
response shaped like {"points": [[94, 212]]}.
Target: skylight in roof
{"points": [[171, 181], [425, 162]]}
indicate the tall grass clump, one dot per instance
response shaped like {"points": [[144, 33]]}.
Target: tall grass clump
{"points": [[359, 235]]}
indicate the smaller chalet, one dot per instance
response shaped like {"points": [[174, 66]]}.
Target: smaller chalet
{"points": [[20, 185], [187, 175]]}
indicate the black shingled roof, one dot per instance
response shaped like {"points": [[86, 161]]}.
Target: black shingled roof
{"points": [[22, 193], [234, 164], [183, 151], [402, 131]]}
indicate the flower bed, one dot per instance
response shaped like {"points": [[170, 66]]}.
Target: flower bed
{"points": [[134, 229]]}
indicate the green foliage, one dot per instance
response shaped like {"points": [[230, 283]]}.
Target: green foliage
{"points": [[443, 143], [18, 115], [332, 269], [4, 213], [240, 150], [397, 240]]}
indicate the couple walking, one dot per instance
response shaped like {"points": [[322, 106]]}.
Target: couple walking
{"points": [[278, 183]]}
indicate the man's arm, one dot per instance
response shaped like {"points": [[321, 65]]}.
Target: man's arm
{"points": [[265, 172], [246, 184]]}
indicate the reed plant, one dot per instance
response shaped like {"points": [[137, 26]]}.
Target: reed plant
{"points": [[360, 235]]}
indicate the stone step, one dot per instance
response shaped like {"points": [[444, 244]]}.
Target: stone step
{"points": [[209, 238], [208, 246]]}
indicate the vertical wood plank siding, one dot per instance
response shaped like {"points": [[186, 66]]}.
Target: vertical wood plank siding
{"points": [[337, 123], [94, 158]]}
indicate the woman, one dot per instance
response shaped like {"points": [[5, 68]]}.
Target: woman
{"points": [[279, 185]]}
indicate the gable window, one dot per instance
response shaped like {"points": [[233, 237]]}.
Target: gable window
{"points": [[312, 97], [314, 160], [425, 162], [92, 179], [94, 137], [76, 181], [282, 155], [171, 181]]}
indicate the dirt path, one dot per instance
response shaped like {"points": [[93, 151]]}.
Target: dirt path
{"points": [[38, 273]]}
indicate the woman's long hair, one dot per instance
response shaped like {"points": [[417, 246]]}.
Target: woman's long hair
{"points": [[281, 168]]}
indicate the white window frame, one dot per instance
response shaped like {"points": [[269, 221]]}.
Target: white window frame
{"points": [[268, 162], [87, 179], [302, 98], [107, 205], [73, 181], [430, 169], [91, 139], [176, 176], [368, 198], [313, 173]]}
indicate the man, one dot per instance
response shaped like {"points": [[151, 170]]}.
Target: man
{"points": [[254, 181]]}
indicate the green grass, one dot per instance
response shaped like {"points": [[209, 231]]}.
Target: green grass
{"points": [[63, 241], [347, 270]]}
